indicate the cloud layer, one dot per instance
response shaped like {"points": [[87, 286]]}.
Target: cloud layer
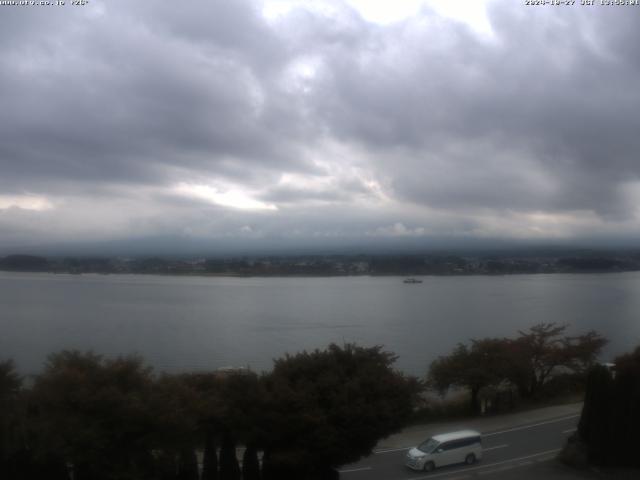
{"points": [[216, 121]]}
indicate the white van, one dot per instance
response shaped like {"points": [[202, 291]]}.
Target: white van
{"points": [[464, 446]]}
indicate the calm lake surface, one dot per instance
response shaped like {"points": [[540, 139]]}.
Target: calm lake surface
{"points": [[193, 323]]}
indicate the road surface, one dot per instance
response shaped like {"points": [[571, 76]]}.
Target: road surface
{"points": [[514, 449]]}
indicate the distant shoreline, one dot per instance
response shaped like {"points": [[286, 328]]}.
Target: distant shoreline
{"points": [[334, 265], [318, 275]]}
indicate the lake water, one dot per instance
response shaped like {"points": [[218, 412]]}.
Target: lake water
{"points": [[193, 323]]}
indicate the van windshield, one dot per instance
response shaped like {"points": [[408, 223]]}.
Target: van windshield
{"points": [[428, 446]]}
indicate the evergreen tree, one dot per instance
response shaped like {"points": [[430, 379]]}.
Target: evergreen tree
{"points": [[610, 417], [187, 464], [210, 458], [229, 468], [626, 409], [250, 464], [330, 407], [12, 417], [595, 422], [166, 466]]}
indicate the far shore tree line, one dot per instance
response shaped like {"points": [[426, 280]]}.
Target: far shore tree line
{"points": [[86, 417], [469, 263]]}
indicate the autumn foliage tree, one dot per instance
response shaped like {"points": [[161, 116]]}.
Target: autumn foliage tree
{"points": [[474, 367], [544, 350], [527, 362]]}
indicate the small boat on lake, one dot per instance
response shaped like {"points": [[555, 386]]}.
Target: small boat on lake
{"points": [[411, 280]]}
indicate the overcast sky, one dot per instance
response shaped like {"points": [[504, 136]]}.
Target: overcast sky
{"points": [[244, 122]]}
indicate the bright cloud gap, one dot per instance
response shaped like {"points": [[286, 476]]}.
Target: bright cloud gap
{"points": [[223, 197]]}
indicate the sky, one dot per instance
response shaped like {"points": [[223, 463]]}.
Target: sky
{"points": [[213, 125]]}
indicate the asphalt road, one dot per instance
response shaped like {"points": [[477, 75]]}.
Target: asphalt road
{"points": [[507, 453]]}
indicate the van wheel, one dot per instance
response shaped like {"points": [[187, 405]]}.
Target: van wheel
{"points": [[470, 459], [429, 467]]}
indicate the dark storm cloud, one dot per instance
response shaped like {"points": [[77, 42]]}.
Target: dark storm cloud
{"points": [[557, 91], [418, 127], [119, 95]]}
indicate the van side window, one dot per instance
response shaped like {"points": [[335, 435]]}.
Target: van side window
{"points": [[463, 442], [454, 444], [470, 441]]}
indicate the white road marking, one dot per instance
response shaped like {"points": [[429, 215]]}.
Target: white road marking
{"points": [[387, 450], [494, 448], [499, 469], [547, 452], [355, 470], [571, 430], [541, 460], [524, 427], [530, 426]]}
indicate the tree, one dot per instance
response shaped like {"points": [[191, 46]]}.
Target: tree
{"points": [[611, 413], [528, 362], [543, 351], [242, 405], [595, 421], [330, 407], [480, 365], [210, 458], [187, 464], [250, 464], [11, 419], [95, 414], [176, 407], [229, 468], [625, 410], [10, 381]]}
